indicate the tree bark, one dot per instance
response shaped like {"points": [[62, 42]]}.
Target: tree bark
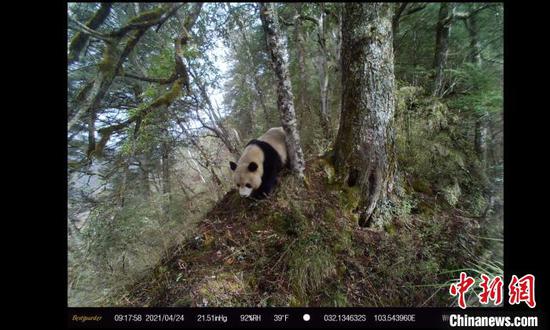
{"points": [[285, 101], [79, 40], [443, 32], [364, 149]]}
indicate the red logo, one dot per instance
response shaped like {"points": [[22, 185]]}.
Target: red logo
{"points": [[461, 288], [491, 290], [519, 289], [522, 289]]}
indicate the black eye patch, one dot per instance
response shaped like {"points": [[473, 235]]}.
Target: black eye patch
{"points": [[252, 167], [248, 185]]}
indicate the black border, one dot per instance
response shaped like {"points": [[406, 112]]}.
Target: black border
{"points": [[524, 151]]}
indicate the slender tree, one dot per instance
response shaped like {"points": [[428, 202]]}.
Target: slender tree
{"points": [[443, 33], [285, 101], [364, 150], [322, 64], [301, 56], [474, 56]]}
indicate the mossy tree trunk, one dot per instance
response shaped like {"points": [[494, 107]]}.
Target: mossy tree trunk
{"points": [[364, 150], [285, 101], [443, 33]]}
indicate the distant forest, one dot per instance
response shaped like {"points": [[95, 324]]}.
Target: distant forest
{"points": [[394, 122]]}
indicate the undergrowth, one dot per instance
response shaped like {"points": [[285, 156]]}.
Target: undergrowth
{"points": [[303, 247]]}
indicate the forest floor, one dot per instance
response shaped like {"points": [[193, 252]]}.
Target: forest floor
{"points": [[303, 247]]}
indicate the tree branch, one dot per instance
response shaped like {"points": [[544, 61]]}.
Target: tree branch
{"points": [[147, 19], [79, 40], [162, 81], [88, 31]]}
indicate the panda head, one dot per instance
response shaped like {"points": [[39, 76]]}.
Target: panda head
{"points": [[247, 177]]}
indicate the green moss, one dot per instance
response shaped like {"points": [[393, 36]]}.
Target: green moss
{"points": [[107, 64], [148, 15], [330, 172], [350, 197], [170, 96], [390, 228]]}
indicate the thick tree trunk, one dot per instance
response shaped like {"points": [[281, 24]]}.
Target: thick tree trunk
{"points": [[285, 101], [364, 150], [443, 32]]}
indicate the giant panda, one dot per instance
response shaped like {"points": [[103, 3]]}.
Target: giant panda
{"points": [[255, 173]]}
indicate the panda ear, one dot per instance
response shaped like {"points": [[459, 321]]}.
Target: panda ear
{"points": [[252, 167], [233, 166]]}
